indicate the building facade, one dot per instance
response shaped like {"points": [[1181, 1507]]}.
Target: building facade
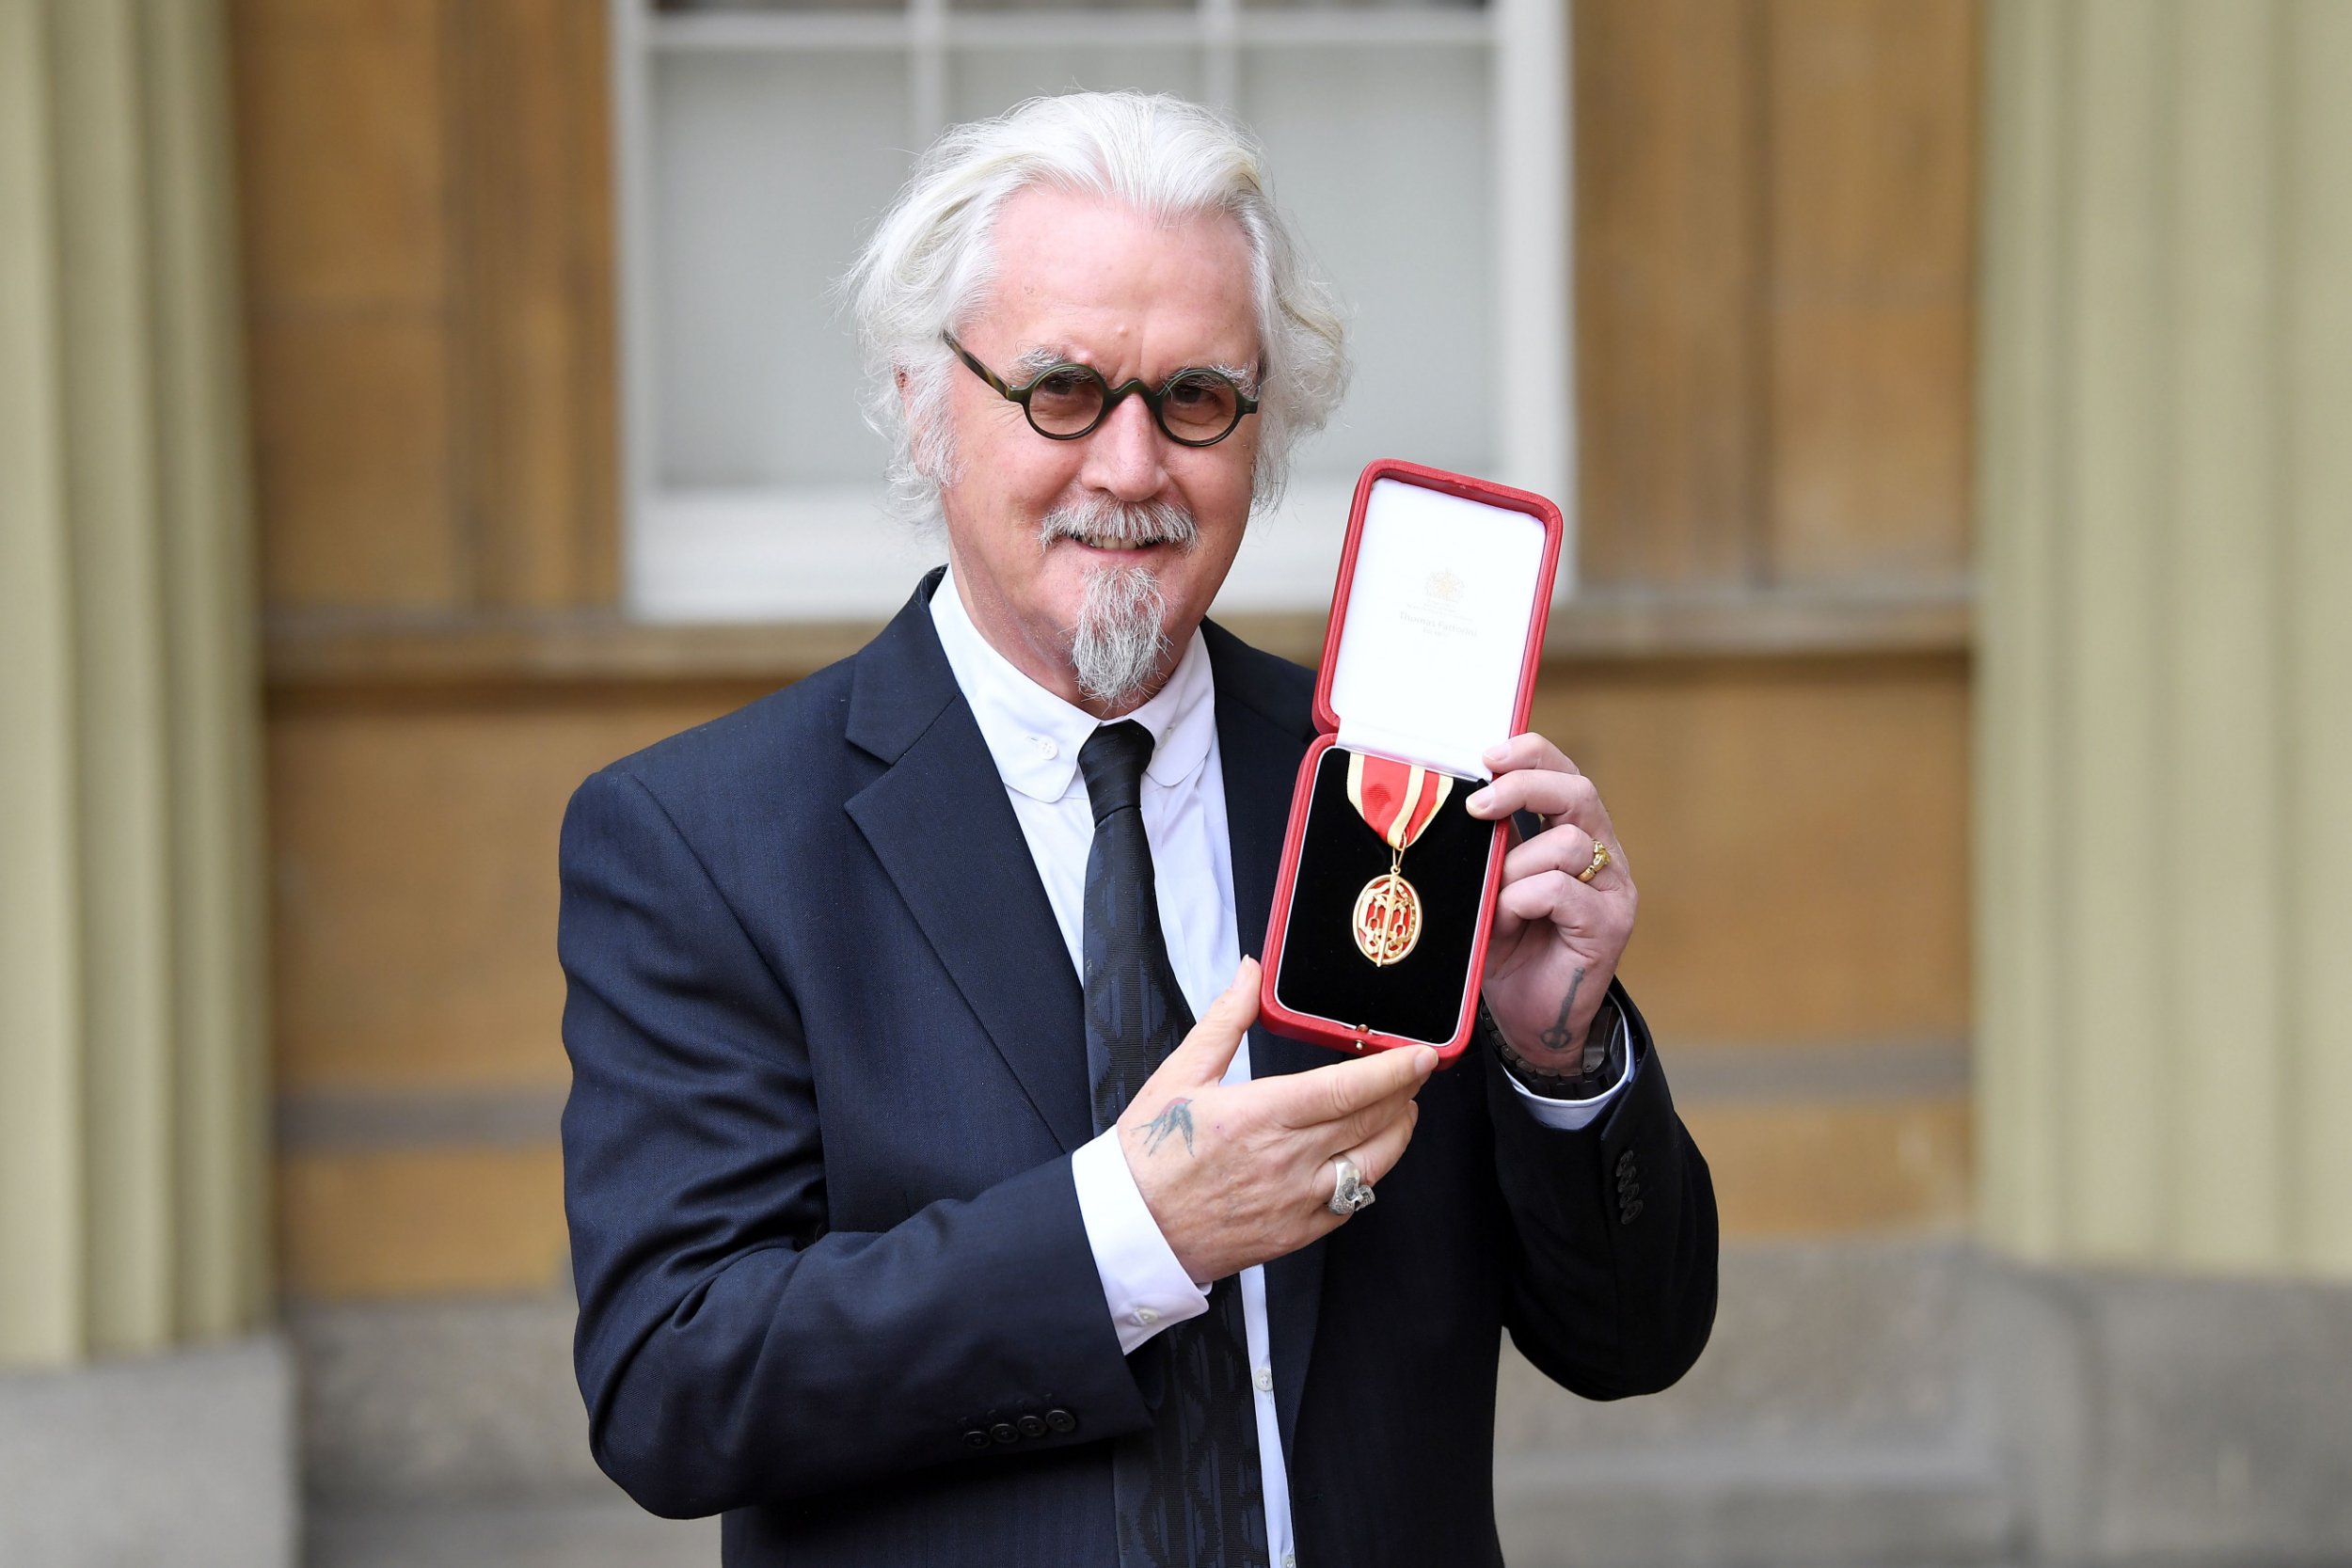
{"points": [[1946, 404]]}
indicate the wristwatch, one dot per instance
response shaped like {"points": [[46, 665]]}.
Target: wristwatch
{"points": [[1601, 1065]]}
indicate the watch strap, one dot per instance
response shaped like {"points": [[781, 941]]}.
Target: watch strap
{"points": [[1599, 1066]]}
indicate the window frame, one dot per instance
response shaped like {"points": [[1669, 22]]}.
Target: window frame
{"points": [[795, 536]]}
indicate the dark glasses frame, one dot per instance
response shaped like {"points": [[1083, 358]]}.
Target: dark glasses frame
{"points": [[1244, 405]]}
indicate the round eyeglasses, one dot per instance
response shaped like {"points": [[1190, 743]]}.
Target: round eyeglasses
{"points": [[1195, 407]]}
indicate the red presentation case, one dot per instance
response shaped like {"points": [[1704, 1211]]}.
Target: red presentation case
{"points": [[1424, 661]]}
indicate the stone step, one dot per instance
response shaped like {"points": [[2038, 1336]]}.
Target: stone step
{"points": [[1835, 1419], [1858, 1346], [588, 1531], [1678, 1506], [1714, 1505]]}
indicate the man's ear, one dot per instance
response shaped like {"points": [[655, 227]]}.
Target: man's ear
{"points": [[922, 441], [916, 433]]}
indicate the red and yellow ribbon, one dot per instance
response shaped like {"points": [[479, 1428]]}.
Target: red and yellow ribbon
{"points": [[1398, 798]]}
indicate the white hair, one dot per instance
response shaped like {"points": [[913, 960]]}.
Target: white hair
{"points": [[929, 262]]}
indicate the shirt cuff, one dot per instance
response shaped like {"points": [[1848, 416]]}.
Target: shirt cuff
{"points": [[1145, 1286], [1563, 1115]]}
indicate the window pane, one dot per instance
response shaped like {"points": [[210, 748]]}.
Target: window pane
{"points": [[1397, 209], [1097, 6], [780, 4], [990, 81], [767, 170], [1366, 5]]}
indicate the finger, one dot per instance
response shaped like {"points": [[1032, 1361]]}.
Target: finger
{"points": [[1202, 1056], [1566, 848], [1552, 895], [1529, 751], [1357, 1126], [1328, 1093], [1378, 1155], [1555, 796]]}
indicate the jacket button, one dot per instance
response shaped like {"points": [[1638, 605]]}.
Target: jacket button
{"points": [[1031, 1425], [1004, 1432], [975, 1438], [1632, 1193], [1631, 1211], [1625, 1162], [1061, 1420]]}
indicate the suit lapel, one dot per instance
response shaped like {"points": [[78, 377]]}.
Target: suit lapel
{"points": [[1261, 765], [940, 823]]}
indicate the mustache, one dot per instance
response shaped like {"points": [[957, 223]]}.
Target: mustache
{"points": [[1108, 518]]}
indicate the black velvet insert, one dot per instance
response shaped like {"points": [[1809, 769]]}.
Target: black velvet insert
{"points": [[1324, 973]]}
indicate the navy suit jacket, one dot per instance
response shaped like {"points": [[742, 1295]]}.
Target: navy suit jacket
{"points": [[829, 1067]]}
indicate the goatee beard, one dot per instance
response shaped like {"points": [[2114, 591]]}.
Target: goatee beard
{"points": [[1118, 647]]}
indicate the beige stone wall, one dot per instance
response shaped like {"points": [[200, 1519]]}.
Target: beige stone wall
{"points": [[1767, 670]]}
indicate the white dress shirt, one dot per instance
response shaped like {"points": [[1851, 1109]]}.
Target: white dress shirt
{"points": [[1035, 737]]}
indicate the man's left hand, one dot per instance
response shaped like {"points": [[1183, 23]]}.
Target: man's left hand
{"points": [[1556, 940]]}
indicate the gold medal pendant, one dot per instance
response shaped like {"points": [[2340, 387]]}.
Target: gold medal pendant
{"points": [[1388, 918], [1398, 800]]}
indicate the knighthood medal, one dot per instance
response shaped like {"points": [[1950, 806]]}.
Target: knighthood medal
{"points": [[1398, 800]]}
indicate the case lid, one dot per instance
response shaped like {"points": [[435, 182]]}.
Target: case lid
{"points": [[1438, 617]]}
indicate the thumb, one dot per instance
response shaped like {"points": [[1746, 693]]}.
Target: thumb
{"points": [[1208, 1051]]}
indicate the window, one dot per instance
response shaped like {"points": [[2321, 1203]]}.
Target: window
{"points": [[1420, 145]]}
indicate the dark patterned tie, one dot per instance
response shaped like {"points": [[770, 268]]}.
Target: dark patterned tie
{"points": [[1189, 1491]]}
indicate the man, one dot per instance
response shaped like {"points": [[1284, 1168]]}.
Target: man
{"points": [[914, 1219]]}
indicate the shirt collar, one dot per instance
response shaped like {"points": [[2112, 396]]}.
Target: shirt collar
{"points": [[1034, 737]]}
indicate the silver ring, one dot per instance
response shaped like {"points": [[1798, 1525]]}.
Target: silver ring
{"points": [[1351, 1191]]}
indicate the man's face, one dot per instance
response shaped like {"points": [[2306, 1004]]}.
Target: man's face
{"points": [[1086, 281]]}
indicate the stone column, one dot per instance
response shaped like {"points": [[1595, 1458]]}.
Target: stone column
{"points": [[142, 1419], [2164, 788], [134, 1087]]}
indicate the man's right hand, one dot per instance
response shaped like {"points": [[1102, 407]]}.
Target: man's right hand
{"points": [[1241, 1174]]}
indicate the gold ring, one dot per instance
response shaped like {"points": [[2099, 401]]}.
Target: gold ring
{"points": [[1600, 858]]}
